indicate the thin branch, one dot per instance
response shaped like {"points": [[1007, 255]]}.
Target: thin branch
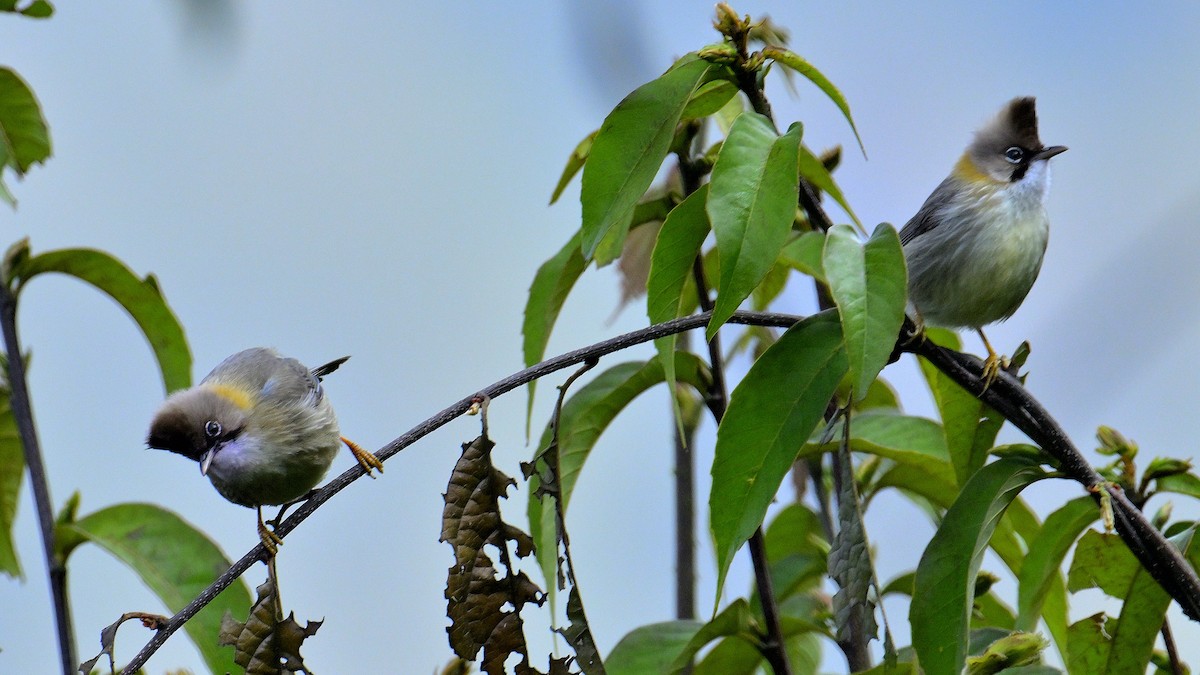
{"points": [[22, 409], [1009, 397], [690, 176], [685, 525], [427, 427], [1006, 395], [1177, 667], [773, 648]]}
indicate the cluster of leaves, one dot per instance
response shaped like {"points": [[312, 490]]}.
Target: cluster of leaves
{"points": [[727, 219]]}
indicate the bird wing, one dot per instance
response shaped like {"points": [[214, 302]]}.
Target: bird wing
{"points": [[926, 219], [274, 378], [322, 371], [292, 381]]}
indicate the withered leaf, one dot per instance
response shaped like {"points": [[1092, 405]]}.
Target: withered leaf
{"points": [[108, 637], [484, 608], [267, 644], [580, 636]]}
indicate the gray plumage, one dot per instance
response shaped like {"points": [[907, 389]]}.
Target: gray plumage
{"points": [[975, 247], [259, 423]]}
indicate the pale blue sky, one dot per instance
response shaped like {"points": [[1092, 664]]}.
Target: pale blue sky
{"points": [[373, 181]]}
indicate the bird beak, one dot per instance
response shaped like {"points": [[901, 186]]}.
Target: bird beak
{"points": [[1047, 153], [205, 460]]}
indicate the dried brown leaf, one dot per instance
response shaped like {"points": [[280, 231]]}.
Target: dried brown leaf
{"points": [[266, 644], [484, 607], [634, 263], [580, 636], [108, 637]]}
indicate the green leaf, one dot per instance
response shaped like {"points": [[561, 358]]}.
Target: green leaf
{"points": [[709, 98], [23, 131], [733, 620], [176, 561], [574, 163], [6, 196], [918, 476], [12, 471], [650, 650], [868, 284], [1125, 644], [1143, 612], [881, 397], [1102, 561], [751, 205], [679, 242], [630, 147], [1090, 645], [1042, 564], [940, 613], [594, 406], [814, 171], [990, 611], [616, 245], [771, 414], [901, 585], [736, 655], [24, 138], [804, 254], [547, 293], [807, 70], [1182, 483], [912, 441], [733, 655], [38, 9], [585, 416], [970, 425], [796, 550], [141, 298]]}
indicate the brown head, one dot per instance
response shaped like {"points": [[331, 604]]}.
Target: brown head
{"points": [[193, 422], [1005, 148]]}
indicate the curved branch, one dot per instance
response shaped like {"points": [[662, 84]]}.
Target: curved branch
{"points": [[1009, 397], [430, 425], [1006, 395]]}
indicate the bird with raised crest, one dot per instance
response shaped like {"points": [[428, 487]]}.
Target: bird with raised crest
{"points": [[975, 247]]}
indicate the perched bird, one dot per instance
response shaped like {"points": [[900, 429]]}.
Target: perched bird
{"points": [[975, 247], [261, 428]]}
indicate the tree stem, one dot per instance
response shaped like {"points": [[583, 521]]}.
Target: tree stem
{"points": [[23, 415], [718, 401], [685, 461], [685, 526]]}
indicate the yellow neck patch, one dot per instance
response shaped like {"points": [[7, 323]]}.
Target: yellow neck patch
{"points": [[966, 170], [235, 396]]}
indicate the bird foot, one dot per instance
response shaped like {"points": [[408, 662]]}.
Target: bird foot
{"points": [[366, 459], [270, 540], [992, 366]]}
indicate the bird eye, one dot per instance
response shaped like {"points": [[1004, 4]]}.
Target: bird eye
{"points": [[1014, 154], [212, 428]]}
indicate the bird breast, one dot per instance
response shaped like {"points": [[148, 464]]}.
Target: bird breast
{"points": [[283, 453], [977, 266]]}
